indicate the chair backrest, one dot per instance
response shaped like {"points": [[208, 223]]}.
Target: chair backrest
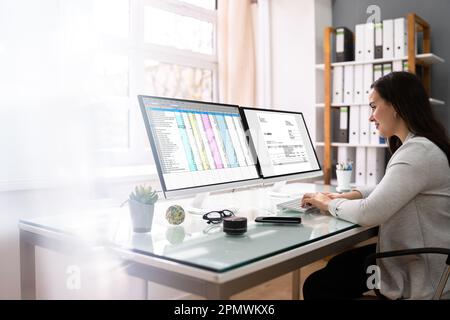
{"points": [[431, 250]]}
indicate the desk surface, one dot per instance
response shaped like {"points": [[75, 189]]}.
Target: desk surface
{"points": [[195, 243]]}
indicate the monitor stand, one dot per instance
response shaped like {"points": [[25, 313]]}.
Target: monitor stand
{"points": [[276, 188], [196, 206]]}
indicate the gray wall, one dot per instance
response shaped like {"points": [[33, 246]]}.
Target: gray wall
{"points": [[436, 12]]}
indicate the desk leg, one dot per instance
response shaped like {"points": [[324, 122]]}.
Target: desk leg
{"points": [[214, 292], [296, 283], [145, 289], [27, 267]]}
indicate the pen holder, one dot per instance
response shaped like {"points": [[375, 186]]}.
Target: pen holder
{"points": [[343, 180]]}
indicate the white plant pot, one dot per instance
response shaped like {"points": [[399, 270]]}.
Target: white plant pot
{"points": [[141, 216]]}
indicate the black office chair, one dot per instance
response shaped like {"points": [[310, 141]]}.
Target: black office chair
{"points": [[370, 260]]}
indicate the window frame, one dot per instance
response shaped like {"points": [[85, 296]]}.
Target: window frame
{"points": [[138, 152]]}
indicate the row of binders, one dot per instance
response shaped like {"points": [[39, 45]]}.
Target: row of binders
{"points": [[351, 84], [352, 125], [387, 39], [369, 164]]}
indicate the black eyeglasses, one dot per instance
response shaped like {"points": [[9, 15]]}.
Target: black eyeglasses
{"points": [[216, 217]]}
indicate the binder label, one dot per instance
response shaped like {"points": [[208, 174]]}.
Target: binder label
{"points": [[340, 40], [343, 124]]}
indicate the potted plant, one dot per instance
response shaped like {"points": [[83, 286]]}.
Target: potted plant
{"points": [[142, 205]]}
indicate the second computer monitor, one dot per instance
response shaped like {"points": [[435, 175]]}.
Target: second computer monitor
{"points": [[282, 144]]}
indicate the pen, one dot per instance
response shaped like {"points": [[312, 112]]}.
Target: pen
{"points": [[344, 166]]}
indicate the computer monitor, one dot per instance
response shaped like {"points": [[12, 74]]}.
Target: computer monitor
{"points": [[282, 143], [198, 146]]}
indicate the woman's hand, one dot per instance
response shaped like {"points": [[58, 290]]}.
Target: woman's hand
{"points": [[352, 195], [332, 195], [318, 200]]}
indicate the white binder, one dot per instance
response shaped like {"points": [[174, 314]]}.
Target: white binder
{"points": [[354, 125], [400, 38], [375, 159], [348, 84], [360, 166], [374, 134], [364, 125], [358, 85], [369, 41], [368, 79], [388, 39], [377, 71], [338, 84], [359, 42], [346, 154], [397, 65]]}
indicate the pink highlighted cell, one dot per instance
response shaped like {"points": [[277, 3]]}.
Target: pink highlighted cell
{"points": [[212, 142]]}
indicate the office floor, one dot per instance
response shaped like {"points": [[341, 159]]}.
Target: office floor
{"points": [[278, 288]]}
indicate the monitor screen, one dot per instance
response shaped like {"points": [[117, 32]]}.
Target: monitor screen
{"points": [[197, 144], [282, 143]]}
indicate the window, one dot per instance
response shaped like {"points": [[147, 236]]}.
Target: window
{"points": [[151, 47], [71, 71]]}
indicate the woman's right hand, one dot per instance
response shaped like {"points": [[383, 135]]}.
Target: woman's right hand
{"points": [[352, 195], [334, 195]]}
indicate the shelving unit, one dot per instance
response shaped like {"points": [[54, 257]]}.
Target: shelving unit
{"points": [[423, 59], [433, 101], [426, 60]]}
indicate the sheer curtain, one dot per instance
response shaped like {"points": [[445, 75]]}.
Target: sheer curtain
{"points": [[70, 71], [48, 94], [236, 52], [48, 90]]}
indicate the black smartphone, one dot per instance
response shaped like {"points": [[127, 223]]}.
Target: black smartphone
{"points": [[279, 219]]}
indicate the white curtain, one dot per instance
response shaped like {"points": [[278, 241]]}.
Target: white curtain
{"points": [[49, 89], [236, 52], [51, 94]]}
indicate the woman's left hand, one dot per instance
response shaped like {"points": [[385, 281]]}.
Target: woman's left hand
{"points": [[317, 200]]}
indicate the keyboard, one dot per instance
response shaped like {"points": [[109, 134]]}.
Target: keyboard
{"points": [[294, 205]]}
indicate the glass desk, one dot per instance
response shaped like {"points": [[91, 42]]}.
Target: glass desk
{"points": [[195, 256]]}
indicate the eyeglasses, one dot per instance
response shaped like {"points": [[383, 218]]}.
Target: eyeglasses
{"points": [[216, 217]]}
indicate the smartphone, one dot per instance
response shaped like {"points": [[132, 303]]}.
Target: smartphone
{"points": [[279, 219]]}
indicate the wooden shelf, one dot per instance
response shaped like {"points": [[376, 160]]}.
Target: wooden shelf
{"points": [[423, 58], [343, 144], [429, 58], [436, 102], [433, 101], [334, 105]]}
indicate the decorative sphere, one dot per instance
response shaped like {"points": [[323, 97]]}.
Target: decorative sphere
{"points": [[175, 214]]}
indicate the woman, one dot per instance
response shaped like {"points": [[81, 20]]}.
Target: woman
{"points": [[411, 204]]}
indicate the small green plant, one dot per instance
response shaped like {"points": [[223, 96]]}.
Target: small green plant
{"points": [[143, 195]]}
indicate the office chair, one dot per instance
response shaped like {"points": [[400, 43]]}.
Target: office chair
{"points": [[431, 250]]}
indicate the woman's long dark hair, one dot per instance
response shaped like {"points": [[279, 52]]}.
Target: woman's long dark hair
{"points": [[407, 95]]}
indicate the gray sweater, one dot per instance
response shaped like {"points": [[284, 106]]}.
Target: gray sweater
{"points": [[411, 205]]}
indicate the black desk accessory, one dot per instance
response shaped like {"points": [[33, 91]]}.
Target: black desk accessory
{"points": [[235, 225], [274, 219]]}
